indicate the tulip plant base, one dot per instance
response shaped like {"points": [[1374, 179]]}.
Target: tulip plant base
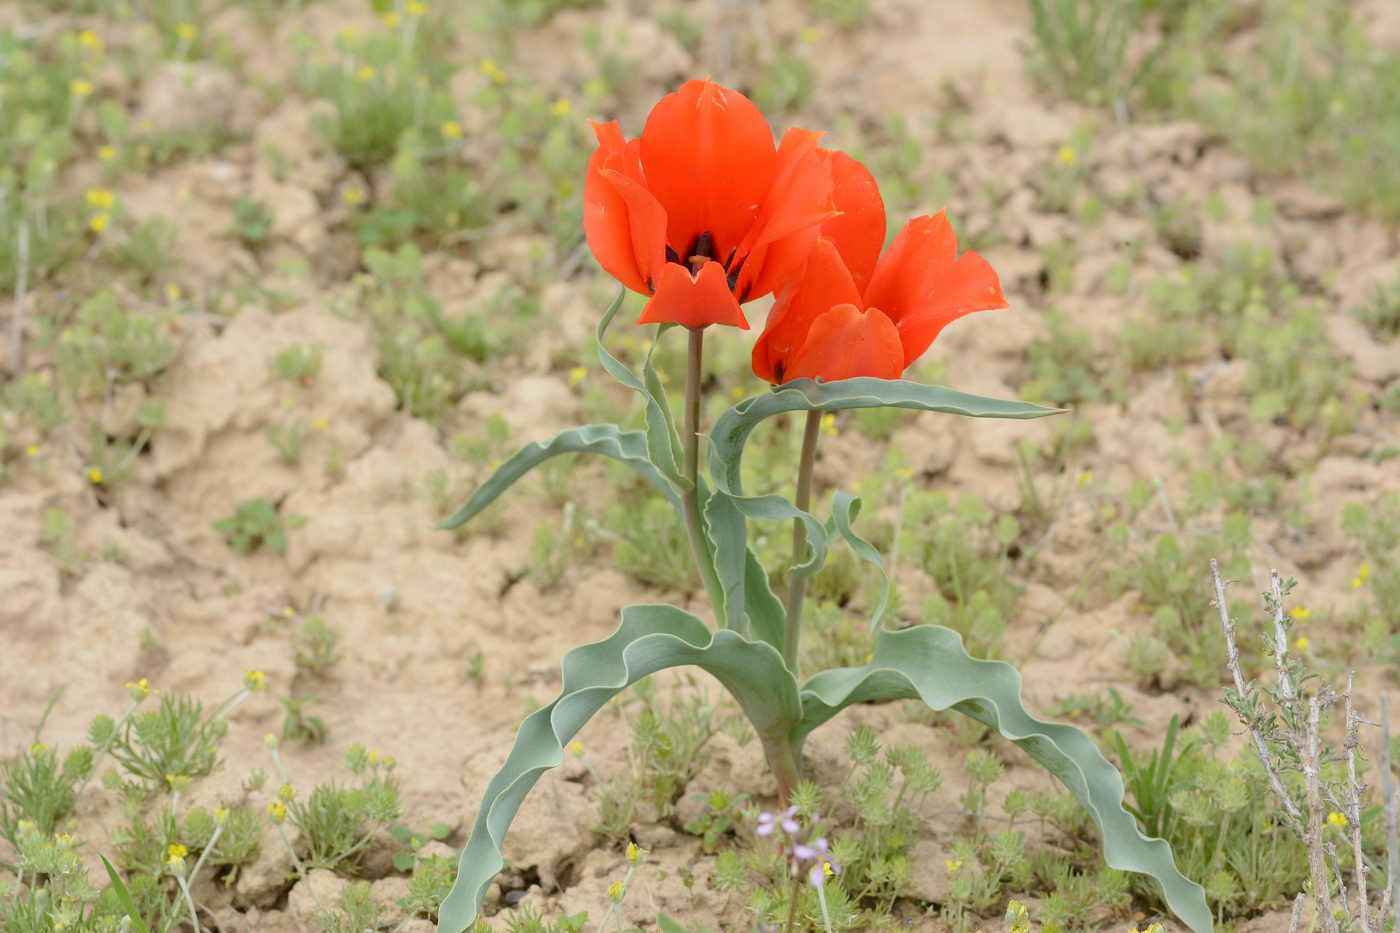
{"points": [[927, 662]]}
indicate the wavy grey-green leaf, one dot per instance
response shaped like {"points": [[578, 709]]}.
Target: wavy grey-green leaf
{"points": [[649, 639], [627, 447], [732, 430], [928, 663]]}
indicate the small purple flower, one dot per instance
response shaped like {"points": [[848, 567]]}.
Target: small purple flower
{"points": [[767, 822]]}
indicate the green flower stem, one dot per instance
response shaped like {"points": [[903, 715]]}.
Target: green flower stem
{"points": [[797, 586], [690, 499]]}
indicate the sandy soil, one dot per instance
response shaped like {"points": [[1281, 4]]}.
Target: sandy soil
{"points": [[178, 607]]}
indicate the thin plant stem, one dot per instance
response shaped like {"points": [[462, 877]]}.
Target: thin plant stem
{"points": [[17, 321], [296, 863], [107, 745], [792, 906], [797, 585], [826, 914], [690, 499]]}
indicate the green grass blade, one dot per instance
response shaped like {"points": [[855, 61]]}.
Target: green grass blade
{"points": [[626, 447], [124, 896], [928, 663], [649, 639]]}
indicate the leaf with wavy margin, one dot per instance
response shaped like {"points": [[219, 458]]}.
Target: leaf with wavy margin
{"points": [[928, 663], [662, 442], [732, 430], [844, 509], [650, 639], [627, 447]]}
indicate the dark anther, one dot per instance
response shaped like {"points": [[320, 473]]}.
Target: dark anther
{"points": [[778, 371], [730, 259], [704, 246], [672, 255], [732, 278]]}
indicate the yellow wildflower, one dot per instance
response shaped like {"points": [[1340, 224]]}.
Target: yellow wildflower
{"points": [[415, 8], [99, 222], [80, 87], [277, 810], [389, 762], [635, 853], [90, 40], [561, 107], [451, 129], [173, 292], [492, 70], [352, 196], [365, 73], [576, 375], [1066, 155], [254, 680], [176, 853], [1336, 819], [107, 153], [576, 748], [829, 425], [952, 864], [220, 815], [94, 476], [187, 32], [177, 781], [1301, 643], [615, 892], [37, 747], [391, 19], [139, 689], [286, 792], [1300, 612], [321, 423]]}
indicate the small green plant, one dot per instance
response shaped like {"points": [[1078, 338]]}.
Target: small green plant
{"points": [[299, 363], [411, 841], [338, 822], [1082, 48], [318, 644], [300, 726], [1382, 312], [256, 523], [252, 222], [40, 789], [166, 746]]}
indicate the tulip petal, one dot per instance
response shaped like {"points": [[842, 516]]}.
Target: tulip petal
{"points": [[693, 301], [923, 285], [646, 222], [824, 284], [859, 230], [845, 343], [605, 218], [708, 156], [800, 200]]}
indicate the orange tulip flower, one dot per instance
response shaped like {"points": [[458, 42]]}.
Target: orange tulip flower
{"points": [[702, 212], [853, 312]]}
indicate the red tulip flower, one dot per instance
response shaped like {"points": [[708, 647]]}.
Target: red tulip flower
{"points": [[853, 312], [702, 212]]}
